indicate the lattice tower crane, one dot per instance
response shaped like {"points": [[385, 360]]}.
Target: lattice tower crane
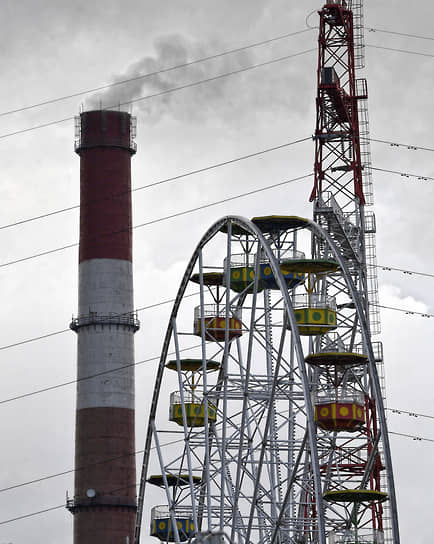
{"points": [[342, 191]]}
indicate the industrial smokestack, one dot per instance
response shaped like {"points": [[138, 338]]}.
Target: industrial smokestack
{"points": [[104, 502]]}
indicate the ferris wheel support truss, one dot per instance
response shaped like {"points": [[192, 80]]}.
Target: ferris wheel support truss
{"points": [[225, 448]]}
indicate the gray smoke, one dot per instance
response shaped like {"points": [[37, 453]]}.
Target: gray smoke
{"points": [[192, 103]]}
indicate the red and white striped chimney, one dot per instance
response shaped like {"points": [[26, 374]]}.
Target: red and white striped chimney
{"points": [[104, 503]]}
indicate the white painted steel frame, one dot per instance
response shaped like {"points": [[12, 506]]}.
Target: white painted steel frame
{"points": [[264, 460], [248, 417]]}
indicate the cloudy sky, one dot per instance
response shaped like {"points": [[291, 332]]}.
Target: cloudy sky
{"points": [[52, 49]]}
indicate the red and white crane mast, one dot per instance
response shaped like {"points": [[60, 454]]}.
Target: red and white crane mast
{"points": [[342, 188]]}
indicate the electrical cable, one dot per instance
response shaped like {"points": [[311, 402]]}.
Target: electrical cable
{"points": [[200, 82], [72, 382], [372, 29], [43, 336], [408, 272], [400, 50], [160, 182], [167, 91], [407, 312], [394, 144], [90, 377], [206, 168], [383, 31], [35, 338], [31, 514], [167, 217], [198, 208], [191, 63], [403, 174], [69, 471], [24, 516], [412, 414], [154, 73], [419, 438]]}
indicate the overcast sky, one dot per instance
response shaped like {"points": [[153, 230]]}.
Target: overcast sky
{"points": [[56, 48]]}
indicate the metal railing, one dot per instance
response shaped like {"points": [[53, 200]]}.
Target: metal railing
{"points": [[216, 310], [359, 537], [163, 512], [314, 300], [175, 398], [129, 319], [249, 259], [348, 396]]}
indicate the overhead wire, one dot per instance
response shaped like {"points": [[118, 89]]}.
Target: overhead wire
{"points": [[204, 206], [191, 63], [104, 372], [419, 53], [403, 310], [404, 271], [166, 91], [384, 31], [188, 85], [155, 72], [50, 509], [43, 336], [165, 218], [57, 507], [159, 182], [411, 414], [205, 169], [68, 471], [90, 377], [395, 144], [403, 174], [419, 438]]}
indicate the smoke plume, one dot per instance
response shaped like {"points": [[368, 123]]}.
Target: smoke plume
{"points": [[193, 103]]}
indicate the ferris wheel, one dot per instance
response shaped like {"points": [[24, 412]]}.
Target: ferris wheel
{"points": [[261, 420]]}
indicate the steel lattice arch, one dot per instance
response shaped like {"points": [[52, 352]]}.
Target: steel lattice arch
{"points": [[251, 432]]}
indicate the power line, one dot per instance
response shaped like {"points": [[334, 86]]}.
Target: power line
{"points": [[48, 335], [35, 338], [408, 272], [29, 340], [50, 509], [155, 73], [412, 414], [138, 452], [198, 208], [200, 82], [167, 91], [24, 516], [400, 50], [72, 470], [167, 217], [395, 144], [90, 377], [72, 382], [207, 168], [69, 471], [383, 31], [407, 312], [419, 438], [403, 174], [185, 65], [160, 182]]}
